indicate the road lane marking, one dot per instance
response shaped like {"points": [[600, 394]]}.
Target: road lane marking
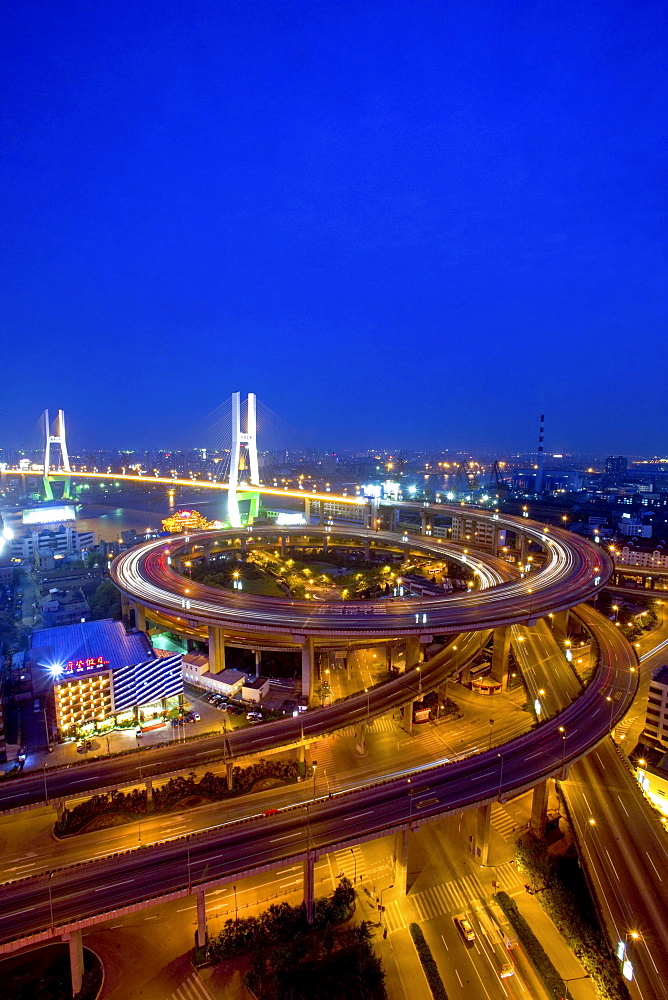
{"points": [[113, 885], [653, 866], [622, 805], [286, 837], [28, 910], [358, 815]]}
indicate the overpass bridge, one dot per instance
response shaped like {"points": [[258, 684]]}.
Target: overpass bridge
{"points": [[36, 909]]}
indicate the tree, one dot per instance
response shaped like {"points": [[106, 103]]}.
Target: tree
{"points": [[105, 602]]}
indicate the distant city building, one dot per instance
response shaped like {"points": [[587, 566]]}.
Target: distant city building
{"points": [[637, 557], [616, 465]]}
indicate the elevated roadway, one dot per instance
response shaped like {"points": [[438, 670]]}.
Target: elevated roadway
{"points": [[31, 909], [113, 772], [623, 844], [572, 572]]}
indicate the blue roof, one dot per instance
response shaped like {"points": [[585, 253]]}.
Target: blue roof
{"points": [[86, 640]]}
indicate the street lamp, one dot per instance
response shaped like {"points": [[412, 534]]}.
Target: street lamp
{"points": [[46, 795], [491, 726], [315, 765], [380, 904], [352, 851], [563, 745], [500, 776], [50, 874]]}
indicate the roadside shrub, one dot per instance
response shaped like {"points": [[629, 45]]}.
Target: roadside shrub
{"points": [[169, 795], [436, 984], [551, 979]]}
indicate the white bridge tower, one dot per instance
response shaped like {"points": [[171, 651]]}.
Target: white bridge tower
{"points": [[55, 435], [247, 440]]}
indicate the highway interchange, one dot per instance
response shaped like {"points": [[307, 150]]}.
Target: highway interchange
{"points": [[218, 856]]}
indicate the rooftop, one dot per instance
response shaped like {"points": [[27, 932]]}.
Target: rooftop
{"points": [[90, 640], [660, 675]]}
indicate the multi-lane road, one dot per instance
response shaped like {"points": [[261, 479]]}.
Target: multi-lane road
{"points": [[226, 852], [573, 570], [624, 846], [68, 782]]}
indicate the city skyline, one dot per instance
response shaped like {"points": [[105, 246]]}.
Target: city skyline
{"points": [[402, 227]]}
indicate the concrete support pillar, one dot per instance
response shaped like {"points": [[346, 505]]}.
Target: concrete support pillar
{"points": [[360, 738], [408, 710], [216, 650], [75, 942], [140, 618], [302, 753], [201, 918], [229, 774], [560, 625], [309, 887], [282, 544], [325, 545], [149, 791], [426, 522], [539, 810], [412, 651], [308, 668], [500, 654], [207, 553], [524, 548], [307, 510], [401, 862], [258, 662], [59, 806], [367, 549], [483, 822], [244, 547], [466, 674], [125, 607]]}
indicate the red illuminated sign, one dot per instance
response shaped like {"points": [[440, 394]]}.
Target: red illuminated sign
{"points": [[83, 666]]}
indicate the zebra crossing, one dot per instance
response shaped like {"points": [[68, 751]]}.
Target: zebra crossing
{"points": [[328, 779], [383, 724], [449, 897], [502, 821], [351, 862], [192, 989]]}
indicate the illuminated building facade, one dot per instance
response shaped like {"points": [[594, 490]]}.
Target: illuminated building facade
{"points": [[185, 521], [103, 675]]}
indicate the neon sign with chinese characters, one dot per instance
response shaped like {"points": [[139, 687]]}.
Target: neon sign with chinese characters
{"points": [[85, 666]]}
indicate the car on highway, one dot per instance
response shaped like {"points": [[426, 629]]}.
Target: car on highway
{"points": [[270, 812], [464, 927]]}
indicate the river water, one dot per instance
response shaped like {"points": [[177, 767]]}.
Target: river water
{"points": [[108, 521]]}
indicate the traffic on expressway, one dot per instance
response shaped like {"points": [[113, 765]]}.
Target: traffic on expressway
{"points": [[89, 892], [572, 572]]}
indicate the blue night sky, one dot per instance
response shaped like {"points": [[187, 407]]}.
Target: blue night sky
{"points": [[401, 224]]}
